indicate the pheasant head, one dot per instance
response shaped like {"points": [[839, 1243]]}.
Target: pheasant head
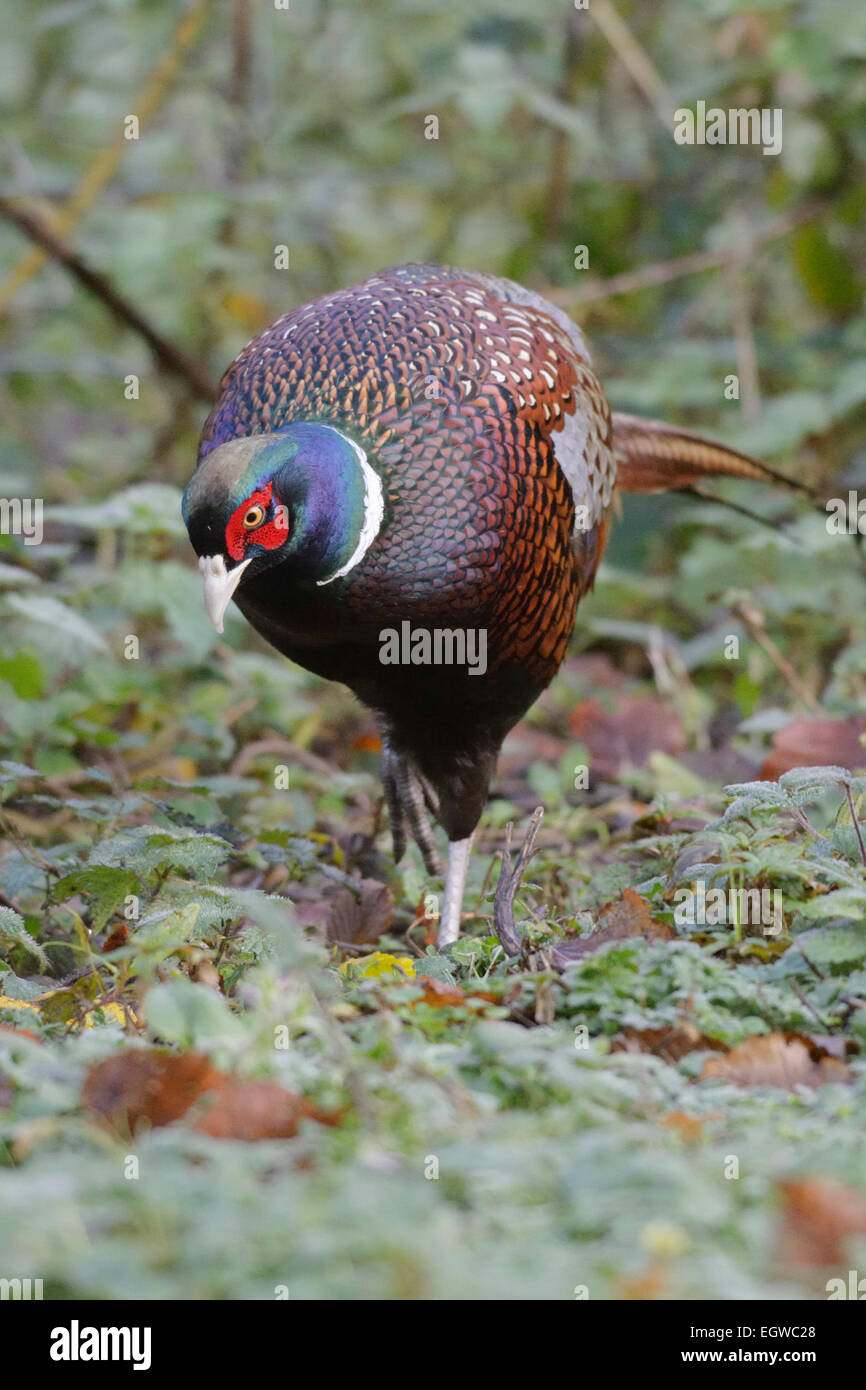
{"points": [[305, 499]]}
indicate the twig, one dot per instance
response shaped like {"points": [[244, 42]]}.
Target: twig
{"points": [[854, 821], [747, 357], [169, 357], [634, 59], [311, 761], [361, 1097], [509, 882], [807, 1004], [105, 165], [239, 92], [660, 272], [811, 964], [557, 178], [755, 624]]}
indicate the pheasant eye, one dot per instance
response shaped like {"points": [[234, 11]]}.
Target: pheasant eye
{"points": [[253, 517]]}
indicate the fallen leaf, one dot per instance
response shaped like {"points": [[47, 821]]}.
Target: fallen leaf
{"points": [[150, 1085], [688, 1127], [158, 1088], [64, 1006], [786, 1060], [252, 1110], [367, 743], [631, 915], [363, 918], [819, 1215], [644, 1287], [625, 735], [816, 743], [378, 965], [440, 995], [669, 1043], [117, 938]]}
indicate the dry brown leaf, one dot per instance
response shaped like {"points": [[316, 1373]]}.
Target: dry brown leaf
{"points": [[152, 1086], [670, 1043], [786, 1060], [364, 918], [157, 1088], [689, 1127], [625, 735], [629, 916], [816, 743], [819, 1216], [645, 1287], [440, 995], [252, 1110], [116, 938], [19, 1032]]}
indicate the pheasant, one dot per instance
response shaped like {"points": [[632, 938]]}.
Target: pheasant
{"points": [[423, 465]]}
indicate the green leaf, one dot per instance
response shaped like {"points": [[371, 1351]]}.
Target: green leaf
{"points": [[13, 929], [41, 608], [841, 902], [105, 887], [832, 946], [148, 851], [814, 777], [145, 508], [190, 1015]]}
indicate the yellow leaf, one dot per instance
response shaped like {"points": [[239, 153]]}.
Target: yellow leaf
{"points": [[379, 966]]}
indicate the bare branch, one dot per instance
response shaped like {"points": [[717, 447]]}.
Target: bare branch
{"points": [[171, 358]]}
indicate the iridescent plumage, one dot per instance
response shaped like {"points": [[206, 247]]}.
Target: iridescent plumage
{"points": [[445, 456]]}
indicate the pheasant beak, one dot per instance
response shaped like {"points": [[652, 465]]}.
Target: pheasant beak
{"points": [[219, 585]]}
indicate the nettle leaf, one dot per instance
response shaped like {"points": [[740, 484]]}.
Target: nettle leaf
{"points": [[43, 609], [161, 935], [842, 946], [844, 839], [802, 777], [19, 877], [10, 771], [149, 851], [13, 987], [767, 792], [709, 872], [12, 574], [146, 508], [740, 809], [190, 1015], [14, 930], [841, 902], [106, 889]]}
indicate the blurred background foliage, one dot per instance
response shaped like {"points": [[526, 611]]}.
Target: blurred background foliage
{"points": [[306, 127]]}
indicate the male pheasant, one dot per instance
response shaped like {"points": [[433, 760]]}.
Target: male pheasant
{"points": [[429, 448]]}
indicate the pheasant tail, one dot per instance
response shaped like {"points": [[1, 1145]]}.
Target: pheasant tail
{"points": [[654, 457]]}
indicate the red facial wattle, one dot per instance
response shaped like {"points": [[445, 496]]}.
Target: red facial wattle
{"points": [[270, 533]]}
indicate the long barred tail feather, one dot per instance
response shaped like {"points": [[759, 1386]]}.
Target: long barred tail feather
{"points": [[654, 457]]}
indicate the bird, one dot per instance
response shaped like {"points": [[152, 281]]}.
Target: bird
{"points": [[407, 486]]}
